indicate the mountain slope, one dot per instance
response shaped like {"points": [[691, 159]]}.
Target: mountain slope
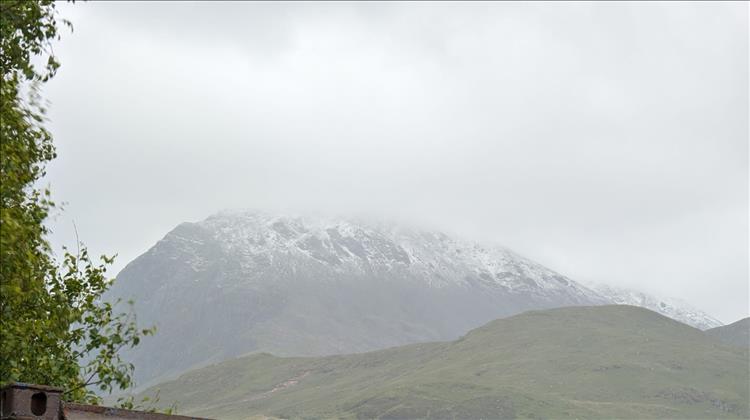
{"points": [[736, 334], [672, 308], [242, 282], [578, 362]]}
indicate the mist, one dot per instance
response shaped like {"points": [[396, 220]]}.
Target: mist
{"points": [[607, 142]]}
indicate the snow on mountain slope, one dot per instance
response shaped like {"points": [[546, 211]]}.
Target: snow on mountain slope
{"points": [[356, 246], [435, 257], [673, 308], [249, 281]]}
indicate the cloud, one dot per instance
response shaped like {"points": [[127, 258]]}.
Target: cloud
{"points": [[610, 142]]}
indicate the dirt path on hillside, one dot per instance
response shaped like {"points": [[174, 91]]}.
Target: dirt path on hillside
{"points": [[280, 387]]}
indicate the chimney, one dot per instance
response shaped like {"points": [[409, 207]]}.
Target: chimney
{"points": [[19, 401]]}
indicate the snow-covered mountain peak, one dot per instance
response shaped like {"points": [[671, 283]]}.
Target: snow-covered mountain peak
{"points": [[357, 245], [244, 281]]}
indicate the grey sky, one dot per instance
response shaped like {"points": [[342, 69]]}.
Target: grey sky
{"points": [[606, 141]]}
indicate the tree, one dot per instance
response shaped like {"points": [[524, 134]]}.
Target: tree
{"points": [[55, 328]]}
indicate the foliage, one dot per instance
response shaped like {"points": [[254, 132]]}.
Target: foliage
{"points": [[146, 403], [55, 329]]}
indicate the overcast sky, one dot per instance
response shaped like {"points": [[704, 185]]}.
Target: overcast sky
{"points": [[607, 141]]}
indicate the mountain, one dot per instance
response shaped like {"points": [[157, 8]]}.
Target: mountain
{"points": [[736, 334], [575, 362], [673, 308], [241, 282]]}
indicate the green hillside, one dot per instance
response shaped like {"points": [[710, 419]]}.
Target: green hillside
{"points": [[736, 334], [576, 362]]}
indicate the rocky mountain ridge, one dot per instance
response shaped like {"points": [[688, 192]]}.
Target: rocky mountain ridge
{"points": [[240, 282]]}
